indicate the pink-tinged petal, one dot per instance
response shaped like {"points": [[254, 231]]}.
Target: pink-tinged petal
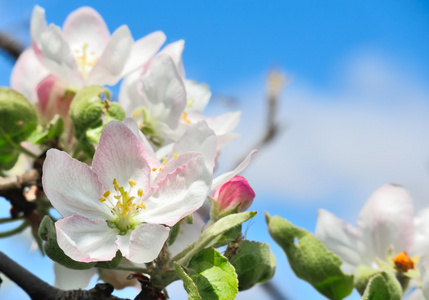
{"points": [[221, 179], [129, 96], [143, 50], [180, 192], [187, 235], [198, 96], [151, 157], [72, 187], [341, 238], [121, 155], [421, 233], [175, 50], [387, 220], [26, 74], [86, 240], [164, 91], [144, 243], [86, 26], [56, 56], [225, 139], [69, 279], [198, 138], [108, 68], [37, 27]]}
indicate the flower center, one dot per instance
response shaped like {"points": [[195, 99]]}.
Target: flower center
{"points": [[85, 59], [403, 262], [124, 205]]}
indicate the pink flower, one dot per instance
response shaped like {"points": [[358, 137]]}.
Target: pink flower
{"points": [[234, 194], [125, 199]]}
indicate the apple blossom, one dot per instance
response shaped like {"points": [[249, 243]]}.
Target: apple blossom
{"points": [[164, 116], [84, 53], [385, 225], [234, 194], [124, 200]]}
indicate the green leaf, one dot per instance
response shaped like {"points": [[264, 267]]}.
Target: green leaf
{"points": [[213, 275], [362, 276], [52, 131], [174, 231], [18, 118], [383, 286], [310, 260], [254, 263], [212, 234], [53, 251], [188, 283]]}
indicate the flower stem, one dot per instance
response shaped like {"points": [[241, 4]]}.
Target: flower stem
{"points": [[14, 231]]}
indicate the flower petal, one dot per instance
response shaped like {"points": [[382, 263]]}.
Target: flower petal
{"points": [[424, 274], [108, 68], [144, 243], [197, 138], [341, 238], [56, 56], [387, 220], [86, 240], [175, 50], [85, 26], [69, 279], [221, 179], [198, 96], [37, 27], [129, 96], [26, 74], [72, 187], [121, 155], [188, 234], [164, 91], [180, 192], [143, 50]]}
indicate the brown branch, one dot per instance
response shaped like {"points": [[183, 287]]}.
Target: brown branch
{"points": [[38, 289], [11, 46], [19, 182]]}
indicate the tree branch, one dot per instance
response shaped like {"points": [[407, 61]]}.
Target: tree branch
{"points": [[11, 46]]}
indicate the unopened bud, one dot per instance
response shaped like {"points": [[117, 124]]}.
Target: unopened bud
{"points": [[234, 194]]}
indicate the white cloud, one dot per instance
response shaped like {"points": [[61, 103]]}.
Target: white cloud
{"points": [[370, 129]]}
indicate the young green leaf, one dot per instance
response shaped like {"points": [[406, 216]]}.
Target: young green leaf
{"points": [[188, 283], [310, 260], [383, 286]]}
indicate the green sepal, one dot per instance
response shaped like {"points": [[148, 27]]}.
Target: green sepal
{"points": [[383, 285], [174, 231], [188, 283], [213, 234], [53, 251], [110, 264], [310, 260], [362, 276], [212, 274], [52, 131], [254, 263]]}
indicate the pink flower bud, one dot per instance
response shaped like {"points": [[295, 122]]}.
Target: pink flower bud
{"points": [[236, 193]]}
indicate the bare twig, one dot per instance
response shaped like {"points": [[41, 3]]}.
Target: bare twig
{"points": [[38, 289], [18, 182], [11, 46]]}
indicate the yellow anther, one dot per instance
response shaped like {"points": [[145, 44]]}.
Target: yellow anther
{"points": [[175, 155], [140, 193], [118, 197], [116, 184], [164, 161], [106, 194], [190, 101], [141, 205], [101, 199], [154, 169], [132, 182], [185, 118]]}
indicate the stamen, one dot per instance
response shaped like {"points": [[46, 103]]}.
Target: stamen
{"points": [[140, 193], [403, 262], [164, 161], [175, 155], [106, 194], [185, 118], [154, 169], [101, 199], [116, 184], [132, 182]]}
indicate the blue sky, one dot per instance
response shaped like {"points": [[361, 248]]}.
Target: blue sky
{"points": [[355, 113]]}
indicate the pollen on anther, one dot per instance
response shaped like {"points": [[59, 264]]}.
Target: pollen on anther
{"points": [[106, 194], [175, 155], [132, 182], [140, 192], [115, 184], [101, 199]]}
